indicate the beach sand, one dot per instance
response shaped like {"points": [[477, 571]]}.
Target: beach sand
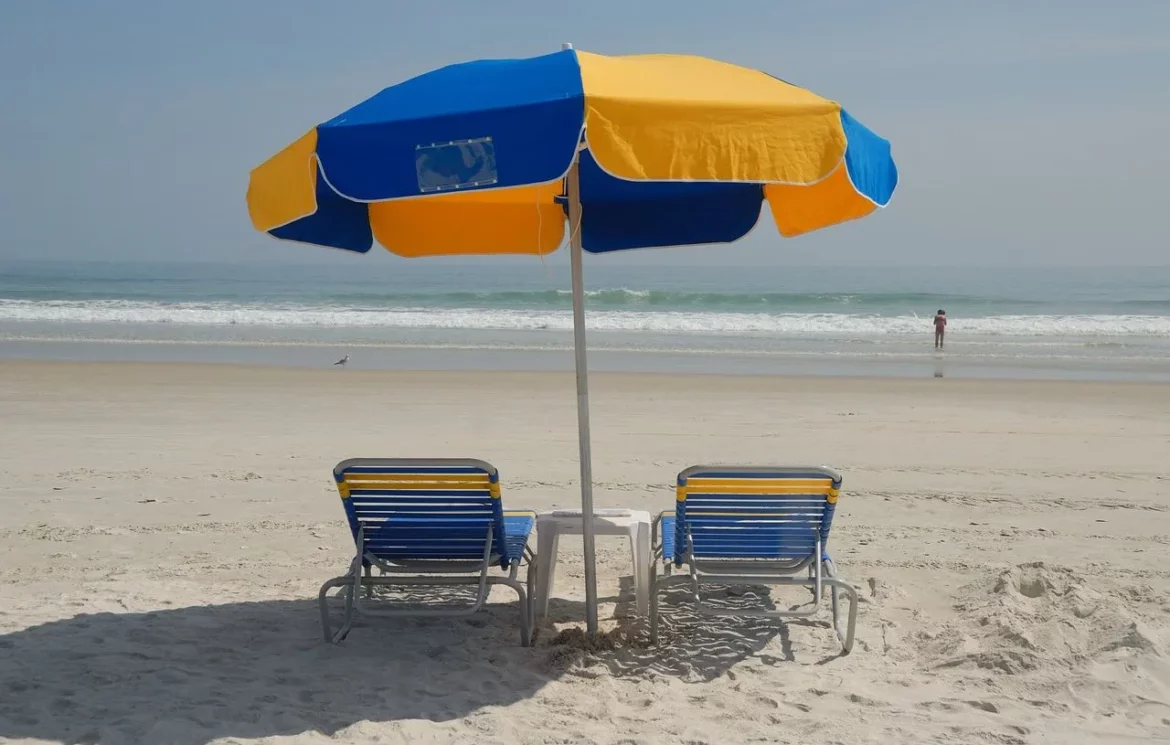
{"points": [[165, 529]]}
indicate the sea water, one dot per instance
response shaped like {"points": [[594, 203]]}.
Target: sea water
{"points": [[517, 314]]}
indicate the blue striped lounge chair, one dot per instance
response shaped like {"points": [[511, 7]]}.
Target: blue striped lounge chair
{"points": [[434, 522], [752, 525]]}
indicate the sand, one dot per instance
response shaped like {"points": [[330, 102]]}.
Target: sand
{"points": [[165, 529]]}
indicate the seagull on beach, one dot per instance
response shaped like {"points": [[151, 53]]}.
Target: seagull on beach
{"points": [[342, 361]]}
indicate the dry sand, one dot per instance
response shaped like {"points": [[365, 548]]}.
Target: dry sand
{"points": [[165, 529]]}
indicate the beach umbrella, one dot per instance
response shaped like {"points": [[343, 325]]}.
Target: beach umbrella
{"points": [[507, 156]]}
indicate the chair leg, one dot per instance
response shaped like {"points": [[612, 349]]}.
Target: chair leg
{"points": [[818, 567], [834, 595], [525, 601], [347, 582], [351, 601], [368, 570], [323, 607], [836, 584], [525, 615]]}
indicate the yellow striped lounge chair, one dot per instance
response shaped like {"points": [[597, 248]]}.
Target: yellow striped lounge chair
{"points": [[432, 522], [753, 525]]}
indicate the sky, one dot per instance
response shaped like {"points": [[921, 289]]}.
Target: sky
{"points": [[1026, 133]]}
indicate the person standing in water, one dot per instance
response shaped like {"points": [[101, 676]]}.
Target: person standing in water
{"points": [[940, 328]]}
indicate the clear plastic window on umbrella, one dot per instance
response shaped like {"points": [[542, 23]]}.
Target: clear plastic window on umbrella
{"points": [[460, 164]]}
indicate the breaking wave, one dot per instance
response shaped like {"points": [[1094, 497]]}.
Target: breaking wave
{"points": [[603, 318]]}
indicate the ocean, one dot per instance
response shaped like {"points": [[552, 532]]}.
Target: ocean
{"points": [[515, 314]]}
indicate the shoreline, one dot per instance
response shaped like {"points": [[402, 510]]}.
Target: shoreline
{"points": [[777, 362], [840, 382]]}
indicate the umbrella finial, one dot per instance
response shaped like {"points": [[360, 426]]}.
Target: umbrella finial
{"points": [[566, 46]]}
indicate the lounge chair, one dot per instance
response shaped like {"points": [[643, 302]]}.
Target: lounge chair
{"points": [[751, 525], [434, 522]]}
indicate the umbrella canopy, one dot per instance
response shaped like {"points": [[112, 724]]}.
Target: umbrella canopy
{"points": [[498, 156], [470, 159]]}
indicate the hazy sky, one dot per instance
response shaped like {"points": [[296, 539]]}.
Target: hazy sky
{"points": [[1026, 133]]}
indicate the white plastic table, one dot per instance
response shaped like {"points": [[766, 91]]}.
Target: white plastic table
{"points": [[634, 523]]}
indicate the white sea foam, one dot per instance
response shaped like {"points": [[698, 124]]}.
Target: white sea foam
{"points": [[831, 325]]}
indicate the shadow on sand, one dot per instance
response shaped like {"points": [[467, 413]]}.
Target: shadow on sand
{"points": [[691, 646], [260, 669]]}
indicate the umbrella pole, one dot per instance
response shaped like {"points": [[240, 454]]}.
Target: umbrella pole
{"points": [[573, 193]]}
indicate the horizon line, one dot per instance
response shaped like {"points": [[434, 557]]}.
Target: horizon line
{"points": [[505, 259]]}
